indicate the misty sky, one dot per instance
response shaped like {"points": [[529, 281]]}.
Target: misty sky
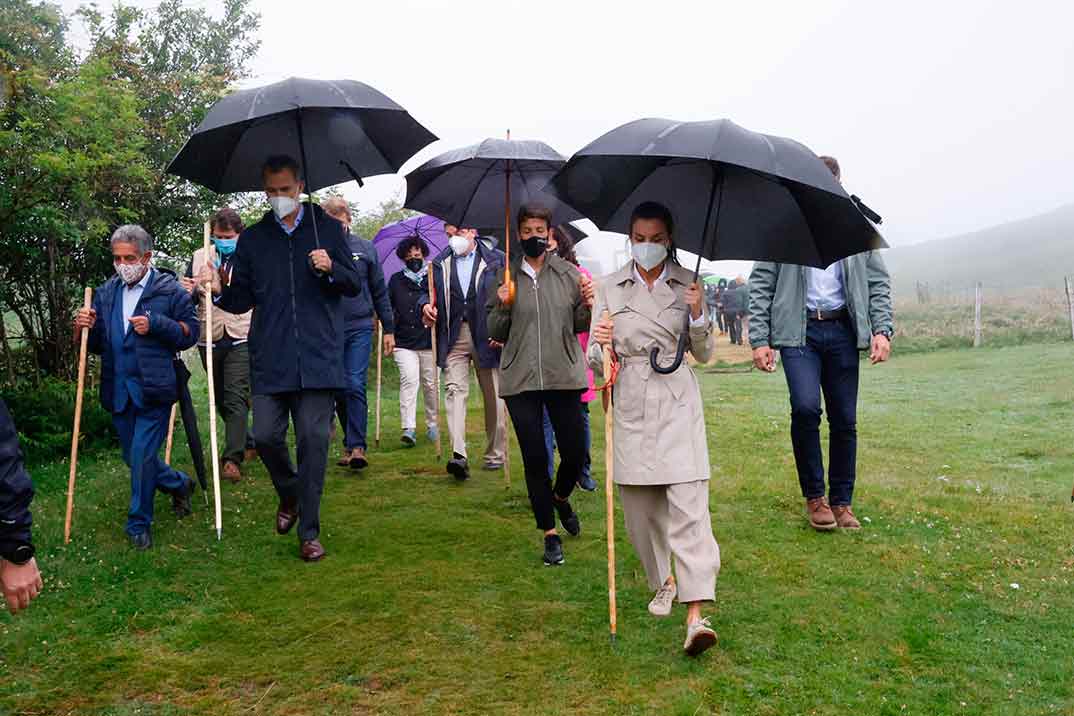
{"points": [[946, 116]]}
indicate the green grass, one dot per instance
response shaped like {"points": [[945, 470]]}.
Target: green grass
{"points": [[433, 600]]}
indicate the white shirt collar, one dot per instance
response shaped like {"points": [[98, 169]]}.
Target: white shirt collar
{"points": [[141, 284], [639, 279]]}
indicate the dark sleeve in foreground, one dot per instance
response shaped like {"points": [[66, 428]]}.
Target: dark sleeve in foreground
{"points": [[379, 291], [16, 491]]}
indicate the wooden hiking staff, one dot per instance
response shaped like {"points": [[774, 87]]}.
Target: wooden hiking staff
{"points": [[87, 303], [380, 348], [436, 368], [171, 435], [207, 331], [510, 301], [610, 372]]}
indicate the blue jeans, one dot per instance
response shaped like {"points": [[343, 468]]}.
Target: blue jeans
{"points": [[353, 408], [141, 433], [827, 363], [550, 443]]}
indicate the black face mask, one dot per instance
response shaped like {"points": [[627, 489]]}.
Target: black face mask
{"points": [[534, 246], [414, 265]]}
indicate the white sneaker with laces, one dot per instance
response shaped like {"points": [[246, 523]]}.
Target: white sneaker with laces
{"points": [[699, 637], [660, 606]]}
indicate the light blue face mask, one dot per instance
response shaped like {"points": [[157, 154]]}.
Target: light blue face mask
{"points": [[226, 247]]}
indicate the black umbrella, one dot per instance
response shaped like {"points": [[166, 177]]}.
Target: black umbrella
{"points": [[190, 422], [484, 184], [734, 194]]}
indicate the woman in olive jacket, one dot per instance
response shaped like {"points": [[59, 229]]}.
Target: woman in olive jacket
{"points": [[542, 368]]}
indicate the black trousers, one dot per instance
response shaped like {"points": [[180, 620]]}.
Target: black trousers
{"points": [[734, 326], [311, 411], [527, 415]]}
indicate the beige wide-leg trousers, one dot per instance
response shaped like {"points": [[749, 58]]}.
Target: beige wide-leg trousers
{"points": [[457, 390]]}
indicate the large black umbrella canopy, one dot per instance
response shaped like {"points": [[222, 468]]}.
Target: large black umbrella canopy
{"points": [[339, 130], [734, 194], [467, 187]]}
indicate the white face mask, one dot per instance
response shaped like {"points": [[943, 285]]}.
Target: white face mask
{"points": [[282, 205], [130, 273], [648, 255], [459, 245]]}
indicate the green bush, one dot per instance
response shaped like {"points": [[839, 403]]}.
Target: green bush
{"points": [[44, 417]]}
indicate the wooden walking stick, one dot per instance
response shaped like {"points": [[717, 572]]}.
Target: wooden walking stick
{"points": [[171, 435], [510, 301], [87, 303], [608, 401], [436, 368], [380, 347], [207, 331]]}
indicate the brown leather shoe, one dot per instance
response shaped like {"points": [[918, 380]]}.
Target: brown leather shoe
{"points": [[286, 516], [845, 518], [344, 458], [358, 459], [250, 455], [311, 551], [231, 471], [820, 515]]}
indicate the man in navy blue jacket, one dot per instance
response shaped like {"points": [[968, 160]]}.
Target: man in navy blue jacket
{"points": [[145, 318], [295, 278], [19, 578], [352, 406]]}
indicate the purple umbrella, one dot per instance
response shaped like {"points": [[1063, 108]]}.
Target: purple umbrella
{"points": [[427, 227]]}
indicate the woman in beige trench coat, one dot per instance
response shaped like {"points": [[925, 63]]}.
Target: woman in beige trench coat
{"points": [[661, 450]]}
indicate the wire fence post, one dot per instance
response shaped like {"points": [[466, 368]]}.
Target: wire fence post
{"points": [[977, 317], [1070, 302]]}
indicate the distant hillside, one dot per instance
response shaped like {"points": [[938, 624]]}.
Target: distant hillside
{"points": [[1030, 253]]}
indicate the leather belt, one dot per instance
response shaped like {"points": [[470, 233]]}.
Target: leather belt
{"points": [[815, 314]]}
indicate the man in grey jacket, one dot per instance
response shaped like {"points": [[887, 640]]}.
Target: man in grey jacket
{"points": [[819, 319]]}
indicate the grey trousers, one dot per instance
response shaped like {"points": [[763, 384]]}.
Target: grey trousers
{"points": [[311, 411], [231, 368], [667, 520]]}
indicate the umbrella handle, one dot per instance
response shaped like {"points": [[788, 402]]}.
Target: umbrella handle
{"points": [[680, 351]]}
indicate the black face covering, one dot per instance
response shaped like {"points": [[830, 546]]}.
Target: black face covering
{"points": [[414, 265], [534, 246]]}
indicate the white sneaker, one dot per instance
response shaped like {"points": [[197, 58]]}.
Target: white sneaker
{"points": [[699, 637], [660, 606]]}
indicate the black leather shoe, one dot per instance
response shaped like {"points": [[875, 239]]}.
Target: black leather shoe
{"points": [[587, 483], [142, 541], [568, 517], [459, 467], [181, 499], [553, 551]]}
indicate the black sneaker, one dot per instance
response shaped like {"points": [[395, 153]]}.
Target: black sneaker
{"points": [[181, 499], [553, 550], [459, 467], [144, 540], [587, 483], [568, 517]]}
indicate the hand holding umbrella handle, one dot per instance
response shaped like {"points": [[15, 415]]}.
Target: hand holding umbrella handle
{"points": [[680, 351], [511, 289]]}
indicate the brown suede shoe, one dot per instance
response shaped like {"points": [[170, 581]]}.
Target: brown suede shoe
{"points": [[231, 471], [820, 515], [344, 458], [286, 516], [250, 455], [358, 459], [845, 518], [311, 551]]}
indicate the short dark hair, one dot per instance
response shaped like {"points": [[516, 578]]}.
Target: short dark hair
{"points": [[226, 218], [653, 210], [565, 246], [410, 242], [534, 211], [279, 162], [833, 165]]}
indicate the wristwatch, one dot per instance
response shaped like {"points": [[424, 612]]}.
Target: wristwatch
{"points": [[17, 552], [884, 333]]}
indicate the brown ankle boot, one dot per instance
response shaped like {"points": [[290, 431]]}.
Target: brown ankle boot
{"points": [[845, 518], [820, 515]]}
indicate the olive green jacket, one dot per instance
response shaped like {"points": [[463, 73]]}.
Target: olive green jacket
{"points": [[778, 301], [541, 350]]}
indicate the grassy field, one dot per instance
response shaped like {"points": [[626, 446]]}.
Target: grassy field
{"points": [[956, 598]]}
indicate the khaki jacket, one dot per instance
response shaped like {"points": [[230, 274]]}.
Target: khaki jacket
{"points": [[236, 325], [539, 331], [659, 421]]}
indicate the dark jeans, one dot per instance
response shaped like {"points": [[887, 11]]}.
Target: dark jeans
{"points": [[141, 433], [351, 405], [311, 411], [527, 412], [828, 362], [231, 378], [550, 443], [733, 321]]}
